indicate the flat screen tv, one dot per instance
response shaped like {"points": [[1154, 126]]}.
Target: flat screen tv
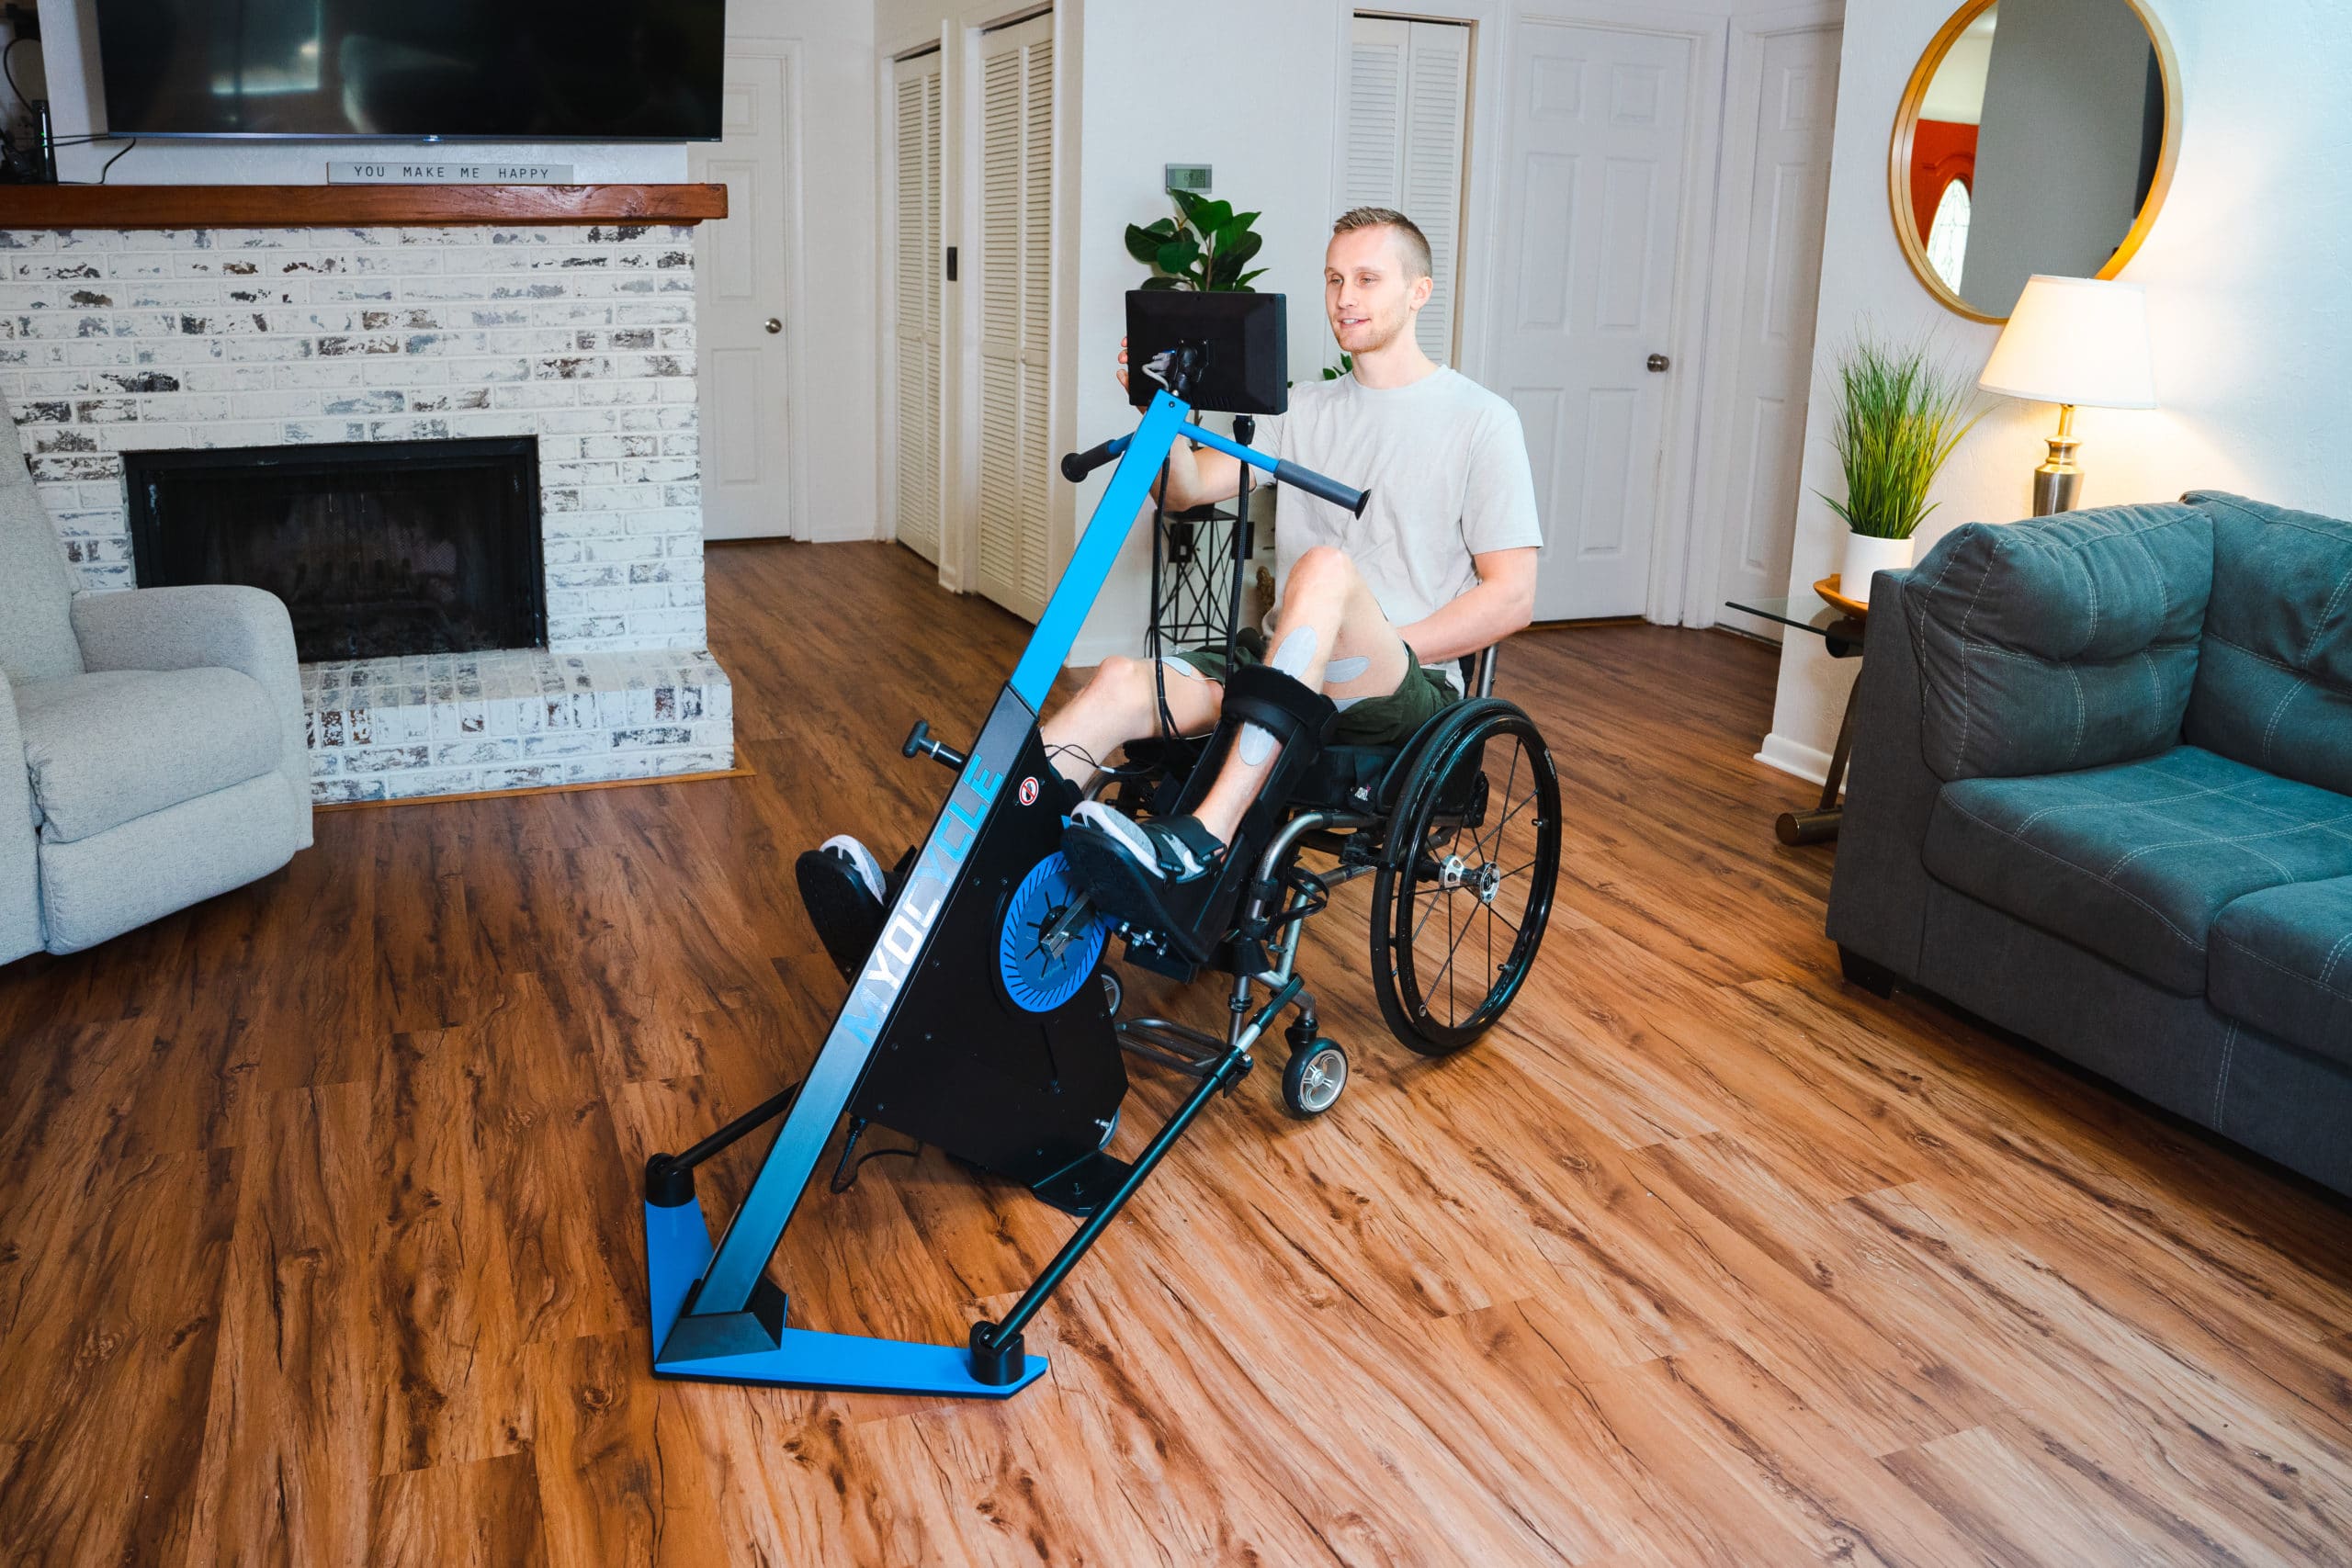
{"points": [[414, 70]]}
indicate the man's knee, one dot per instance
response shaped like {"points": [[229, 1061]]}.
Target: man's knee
{"points": [[1119, 678], [1324, 564]]}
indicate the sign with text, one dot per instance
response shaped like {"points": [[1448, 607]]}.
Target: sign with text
{"points": [[472, 172]]}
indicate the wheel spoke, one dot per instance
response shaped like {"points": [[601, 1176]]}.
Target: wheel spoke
{"points": [[1516, 751], [1449, 963], [1450, 1017]]}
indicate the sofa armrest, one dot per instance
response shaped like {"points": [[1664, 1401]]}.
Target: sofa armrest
{"points": [[20, 929], [2059, 643], [207, 626], [1878, 889]]}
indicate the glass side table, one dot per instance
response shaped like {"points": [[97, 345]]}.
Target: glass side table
{"points": [[1843, 633]]}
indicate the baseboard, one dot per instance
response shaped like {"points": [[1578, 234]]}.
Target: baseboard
{"points": [[1806, 763], [738, 772]]}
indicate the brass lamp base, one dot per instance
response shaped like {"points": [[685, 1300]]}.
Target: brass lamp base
{"points": [[2057, 481]]}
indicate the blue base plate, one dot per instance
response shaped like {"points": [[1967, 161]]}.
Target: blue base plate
{"points": [[677, 1250]]}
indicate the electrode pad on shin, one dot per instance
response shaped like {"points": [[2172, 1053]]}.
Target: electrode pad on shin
{"points": [[1292, 656]]}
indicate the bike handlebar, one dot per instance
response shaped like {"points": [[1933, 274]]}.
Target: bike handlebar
{"points": [[1076, 465], [1314, 484]]}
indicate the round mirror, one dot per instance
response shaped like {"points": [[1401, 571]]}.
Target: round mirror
{"points": [[2036, 136]]}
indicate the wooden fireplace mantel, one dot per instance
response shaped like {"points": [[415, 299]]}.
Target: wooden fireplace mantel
{"points": [[351, 207]]}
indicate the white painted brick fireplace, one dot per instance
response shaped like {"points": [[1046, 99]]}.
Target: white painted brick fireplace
{"points": [[579, 336]]}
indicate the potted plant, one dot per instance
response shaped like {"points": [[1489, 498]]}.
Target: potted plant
{"points": [[1897, 413], [1205, 246]]}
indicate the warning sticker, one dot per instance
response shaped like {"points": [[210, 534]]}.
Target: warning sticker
{"points": [[1029, 791]]}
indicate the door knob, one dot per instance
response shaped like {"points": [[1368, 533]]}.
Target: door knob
{"points": [[776, 326], [1656, 361]]}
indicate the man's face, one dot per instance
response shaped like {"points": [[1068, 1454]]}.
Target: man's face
{"points": [[1365, 291]]}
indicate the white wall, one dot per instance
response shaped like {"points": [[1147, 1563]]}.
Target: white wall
{"points": [[1250, 89], [2245, 272], [77, 105]]}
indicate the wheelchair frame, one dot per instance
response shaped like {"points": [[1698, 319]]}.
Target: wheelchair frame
{"points": [[715, 1316]]}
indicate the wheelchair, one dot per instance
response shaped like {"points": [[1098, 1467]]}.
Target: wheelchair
{"points": [[983, 1020], [1459, 830]]}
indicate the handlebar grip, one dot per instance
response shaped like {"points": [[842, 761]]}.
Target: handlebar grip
{"points": [[1314, 484], [1076, 465]]}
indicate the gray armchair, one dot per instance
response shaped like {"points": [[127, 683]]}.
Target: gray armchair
{"points": [[151, 746]]}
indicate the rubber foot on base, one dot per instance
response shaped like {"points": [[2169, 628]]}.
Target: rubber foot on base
{"points": [[993, 1363]]}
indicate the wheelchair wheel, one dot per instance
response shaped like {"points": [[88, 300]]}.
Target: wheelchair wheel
{"points": [[1314, 1079], [1462, 897]]}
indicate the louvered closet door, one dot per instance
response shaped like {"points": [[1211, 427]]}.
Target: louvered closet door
{"points": [[1409, 87], [1013, 284], [915, 391]]}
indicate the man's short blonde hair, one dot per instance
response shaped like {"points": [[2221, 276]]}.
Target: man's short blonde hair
{"points": [[1410, 239]]}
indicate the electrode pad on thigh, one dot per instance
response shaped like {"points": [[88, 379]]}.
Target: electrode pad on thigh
{"points": [[1339, 672], [1290, 656]]}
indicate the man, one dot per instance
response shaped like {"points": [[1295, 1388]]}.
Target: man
{"points": [[1373, 610]]}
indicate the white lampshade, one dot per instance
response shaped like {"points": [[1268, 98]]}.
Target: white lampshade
{"points": [[2076, 340]]}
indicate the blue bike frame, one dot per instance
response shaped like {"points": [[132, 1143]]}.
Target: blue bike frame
{"points": [[714, 1315]]}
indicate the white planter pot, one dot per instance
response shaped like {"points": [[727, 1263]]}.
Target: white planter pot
{"points": [[1866, 557]]}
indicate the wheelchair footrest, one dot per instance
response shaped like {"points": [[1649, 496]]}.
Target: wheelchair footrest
{"points": [[1172, 1045]]}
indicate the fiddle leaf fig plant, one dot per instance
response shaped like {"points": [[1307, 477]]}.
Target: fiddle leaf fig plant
{"points": [[1205, 246]]}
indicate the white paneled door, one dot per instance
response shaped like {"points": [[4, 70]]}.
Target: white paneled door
{"points": [[1012, 278], [1409, 85], [1592, 198], [918, 264], [741, 320], [1759, 442]]}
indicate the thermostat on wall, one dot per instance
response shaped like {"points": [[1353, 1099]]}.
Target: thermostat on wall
{"points": [[1192, 177]]}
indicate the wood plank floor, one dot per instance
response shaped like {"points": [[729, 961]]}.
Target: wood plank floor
{"points": [[319, 1235]]}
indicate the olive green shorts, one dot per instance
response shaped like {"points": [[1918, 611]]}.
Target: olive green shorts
{"points": [[1375, 721]]}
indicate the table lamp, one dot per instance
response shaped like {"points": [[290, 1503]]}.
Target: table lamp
{"points": [[2070, 340]]}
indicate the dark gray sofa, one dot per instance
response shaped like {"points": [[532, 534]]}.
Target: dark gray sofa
{"points": [[2101, 796]]}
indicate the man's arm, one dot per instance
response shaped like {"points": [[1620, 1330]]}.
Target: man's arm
{"points": [[1198, 478], [1503, 601]]}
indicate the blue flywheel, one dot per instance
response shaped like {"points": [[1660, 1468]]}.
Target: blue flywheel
{"points": [[1036, 976]]}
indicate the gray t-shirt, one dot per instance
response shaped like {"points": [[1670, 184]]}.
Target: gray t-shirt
{"points": [[1447, 467]]}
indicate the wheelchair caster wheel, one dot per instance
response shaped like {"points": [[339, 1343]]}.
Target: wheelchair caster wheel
{"points": [[1312, 1082], [1111, 993]]}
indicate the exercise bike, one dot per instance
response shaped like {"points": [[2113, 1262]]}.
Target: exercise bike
{"points": [[983, 1018]]}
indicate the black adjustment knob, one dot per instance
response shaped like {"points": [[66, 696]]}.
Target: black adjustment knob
{"points": [[921, 744]]}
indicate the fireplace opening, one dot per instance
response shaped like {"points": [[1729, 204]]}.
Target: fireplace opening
{"points": [[377, 547]]}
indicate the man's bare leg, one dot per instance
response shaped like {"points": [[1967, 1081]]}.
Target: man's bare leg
{"points": [[1119, 704], [1332, 616]]}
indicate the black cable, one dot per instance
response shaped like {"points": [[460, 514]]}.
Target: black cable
{"points": [[110, 162], [844, 1175], [1154, 642], [11, 75]]}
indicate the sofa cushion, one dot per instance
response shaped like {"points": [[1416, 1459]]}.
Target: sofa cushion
{"points": [[2282, 962], [2059, 643], [2274, 683], [106, 748], [2134, 861]]}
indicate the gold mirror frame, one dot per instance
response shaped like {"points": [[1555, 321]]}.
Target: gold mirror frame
{"points": [[1907, 120]]}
